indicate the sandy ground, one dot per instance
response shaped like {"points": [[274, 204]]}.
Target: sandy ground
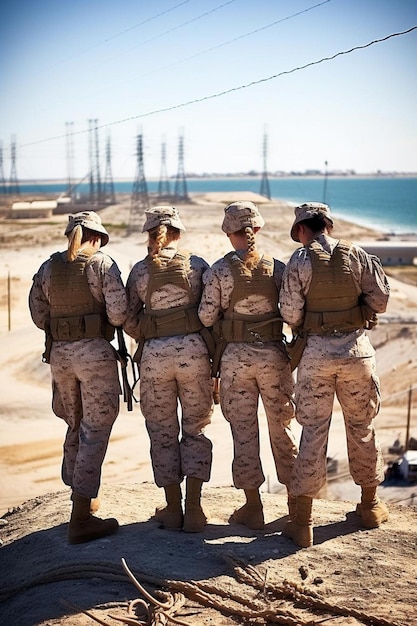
{"points": [[31, 442]]}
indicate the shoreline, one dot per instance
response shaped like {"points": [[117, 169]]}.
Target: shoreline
{"points": [[384, 203], [237, 176]]}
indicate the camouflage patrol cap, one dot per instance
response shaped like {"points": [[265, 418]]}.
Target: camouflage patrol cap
{"points": [[238, 215], [90, 220], [307, 211], [162, 215]]}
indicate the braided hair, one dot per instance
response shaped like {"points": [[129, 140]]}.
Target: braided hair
{"points": [[158, 238], [252, 255]]}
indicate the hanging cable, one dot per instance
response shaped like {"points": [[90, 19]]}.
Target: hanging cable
{"points": [[126, 30], [226, 43], [170, 30], [227, 91]]}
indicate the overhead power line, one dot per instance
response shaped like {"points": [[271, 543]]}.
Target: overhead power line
{"points": [[239, 37], [171, 30], [126, 30], [232, 89], [149, 19]]}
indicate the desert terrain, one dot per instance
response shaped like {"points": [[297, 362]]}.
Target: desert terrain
{"points": [[234, 576]]}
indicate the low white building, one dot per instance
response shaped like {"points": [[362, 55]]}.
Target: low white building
{"points": [[392, 252], [36, 208]]}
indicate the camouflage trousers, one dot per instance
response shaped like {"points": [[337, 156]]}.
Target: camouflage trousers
{"points": [[356, 385], [170, 383], [86, 397], [247, 373]]}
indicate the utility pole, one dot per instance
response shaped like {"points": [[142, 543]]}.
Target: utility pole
{"points": [[91, 195], [140, 199], [407, 430], [109, 195], [163, 185], [180, 190], [325, 183], [13, 185], [265, 190], [3, 188]]}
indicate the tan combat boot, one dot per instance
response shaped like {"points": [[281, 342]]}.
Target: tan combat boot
{"points": [[372, 511], [300, 529], [292, 505], [250, 514], [85, 527], [94, 504], [171, 515], [194, 519]]}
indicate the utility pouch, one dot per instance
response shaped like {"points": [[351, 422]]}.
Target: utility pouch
{"points": [[67, 328], [295, 349], [92, 325]]}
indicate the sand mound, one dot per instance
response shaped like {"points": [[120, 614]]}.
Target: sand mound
{"points": [[227, 574]]}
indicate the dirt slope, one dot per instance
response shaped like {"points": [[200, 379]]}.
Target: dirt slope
{"points": [[349, 576]]}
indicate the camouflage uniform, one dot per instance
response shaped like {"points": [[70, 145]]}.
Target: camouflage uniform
{"points": [[341, 363], [248, 370], [172, 369], [85, 379]]}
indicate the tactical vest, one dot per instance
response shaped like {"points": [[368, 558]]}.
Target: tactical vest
{"points": [[239, 327], [332, 302], [179, 320], [75, 313]]}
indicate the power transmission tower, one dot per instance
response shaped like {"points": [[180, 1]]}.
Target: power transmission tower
{"points": [[140, 199], [98, 179], [95, 190], [91, 194], [109, 195], [3, 188], [163, 185], [13, 184], [265, 190], [70, 156], [180, 190]]}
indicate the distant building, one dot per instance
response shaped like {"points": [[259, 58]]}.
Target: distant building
{"points": [[36, 208], [392, 252]]}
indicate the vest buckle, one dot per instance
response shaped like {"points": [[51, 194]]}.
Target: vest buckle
{"points": [[258, 341]]}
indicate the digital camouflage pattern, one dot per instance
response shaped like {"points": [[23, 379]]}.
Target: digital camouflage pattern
{"points": [[248, 371], [85, 381], [173, 369], [341, 364]]}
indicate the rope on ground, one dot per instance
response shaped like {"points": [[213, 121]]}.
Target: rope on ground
{"points": [[302, 595], [152, 612]]}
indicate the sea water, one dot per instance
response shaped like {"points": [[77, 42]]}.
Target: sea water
{"points": [[384, 203]]}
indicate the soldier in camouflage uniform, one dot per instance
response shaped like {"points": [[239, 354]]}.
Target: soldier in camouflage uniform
{"points": [[240, 301], [164, 290], [77, 297], [331, 293]]}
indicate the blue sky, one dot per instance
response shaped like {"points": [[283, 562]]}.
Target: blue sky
{"points": [[121, 62]]}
